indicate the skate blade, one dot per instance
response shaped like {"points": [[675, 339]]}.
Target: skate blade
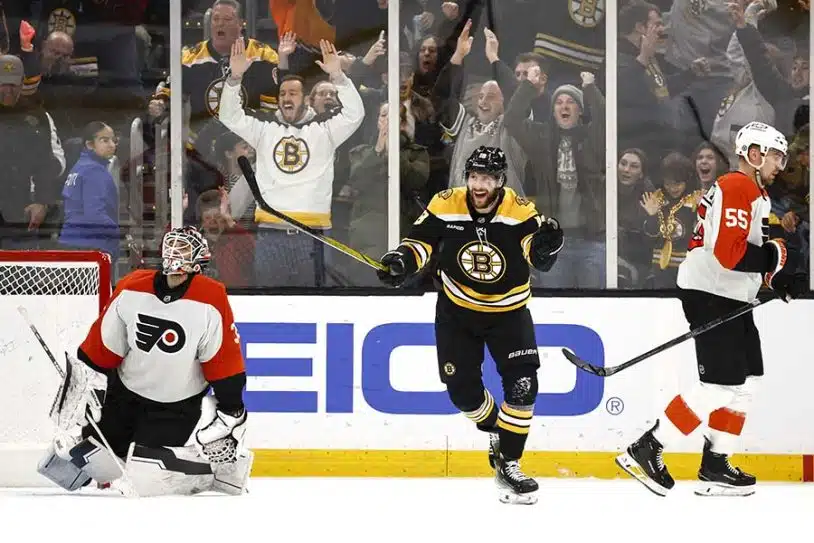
{"points": [[510, 497], [627, 463], [720, 489]]}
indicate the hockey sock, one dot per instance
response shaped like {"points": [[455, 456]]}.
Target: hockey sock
{"points": [[513, 424], [684, 413], [726, 423], [485, 416]]}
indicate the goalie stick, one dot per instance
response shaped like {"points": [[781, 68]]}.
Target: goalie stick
{"points": [[606, 372], [247, 170], [128, 490]]}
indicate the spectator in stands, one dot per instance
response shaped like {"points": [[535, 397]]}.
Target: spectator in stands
{"points": [[295, 158], [568, 158], [33, 160], [646, 117], [368, 231], [634, 253], [231, 245], [206, 68], [790, 196], [671, 217], [91, 196], [485, 127], [709, 165], [508, 78], [784, 88], [241, 205]]}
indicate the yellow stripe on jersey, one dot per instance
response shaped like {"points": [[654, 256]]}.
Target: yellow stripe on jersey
{"points": [[314, 220], [526, 244], [421, 251], [514, 209], [466, 297]]}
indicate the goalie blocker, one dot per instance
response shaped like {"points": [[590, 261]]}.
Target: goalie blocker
{"points": [[164, 340]]}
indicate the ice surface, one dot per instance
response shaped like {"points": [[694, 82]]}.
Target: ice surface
{"points": [[414, 510]]}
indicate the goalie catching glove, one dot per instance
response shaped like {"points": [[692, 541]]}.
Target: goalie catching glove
{"points": [[781, 276], [220, 440], [546, 243]]}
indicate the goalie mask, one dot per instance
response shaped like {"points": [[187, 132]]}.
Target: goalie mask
{"points": [[184, 250]]}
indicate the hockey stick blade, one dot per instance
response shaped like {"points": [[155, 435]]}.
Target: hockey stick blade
{"points": [[608, 371], [248, 172]]}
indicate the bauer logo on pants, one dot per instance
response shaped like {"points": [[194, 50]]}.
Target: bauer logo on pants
{"points": [[168, 336]]}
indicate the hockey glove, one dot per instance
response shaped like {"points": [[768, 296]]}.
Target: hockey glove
{"points": [[782, 277], [220, 440], [397, 273], [546, 243]]}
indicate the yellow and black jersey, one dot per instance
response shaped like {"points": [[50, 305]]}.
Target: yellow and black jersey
{"points": [[205, 71], [483, 260]]}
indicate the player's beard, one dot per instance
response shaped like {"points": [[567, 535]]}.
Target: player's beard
{"points": [[482, 202]]}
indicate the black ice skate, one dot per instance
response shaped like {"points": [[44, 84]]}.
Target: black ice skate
{"points": [[643, 460], [515, 486], [494, 449], [719, 478]]}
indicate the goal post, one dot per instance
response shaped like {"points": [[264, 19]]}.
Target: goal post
{"points": [[63, 292]]}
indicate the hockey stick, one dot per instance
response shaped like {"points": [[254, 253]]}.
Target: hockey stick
{"points": [[128, 490], [606, 372], [246, 168]]}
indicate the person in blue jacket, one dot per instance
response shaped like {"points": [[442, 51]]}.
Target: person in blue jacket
{"points": [[91, 197]]}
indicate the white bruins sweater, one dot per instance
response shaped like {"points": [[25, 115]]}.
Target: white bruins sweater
{"points": [[295, 163]]}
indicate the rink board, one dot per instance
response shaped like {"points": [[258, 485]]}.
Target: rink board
{"points": [[348, 386]]}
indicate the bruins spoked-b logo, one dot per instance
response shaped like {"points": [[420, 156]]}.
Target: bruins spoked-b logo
{"points": [[291, 154], [482, 262], [62, 20], [151, 332], [213, 92], [587, 13]]}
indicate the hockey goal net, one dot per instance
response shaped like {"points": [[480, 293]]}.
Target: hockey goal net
{"points": [[63, 292]]}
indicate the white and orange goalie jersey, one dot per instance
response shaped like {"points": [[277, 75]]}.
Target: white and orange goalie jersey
{"points": [[733, 223], [165, 346]]}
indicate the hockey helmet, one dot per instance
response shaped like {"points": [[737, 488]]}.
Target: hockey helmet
{"points": [[184, 250], [488, 160], [765, 137]]}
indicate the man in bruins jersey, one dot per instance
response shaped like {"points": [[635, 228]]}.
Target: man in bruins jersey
{"points": [[485, 236]]}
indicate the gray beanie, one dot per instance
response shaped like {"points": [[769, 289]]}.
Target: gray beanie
{"points": [[571, 91]]}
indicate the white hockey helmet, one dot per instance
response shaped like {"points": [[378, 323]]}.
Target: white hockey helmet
{"points": [[765, 137], [184, 250]]}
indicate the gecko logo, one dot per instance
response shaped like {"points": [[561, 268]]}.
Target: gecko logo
{"points": [[152, 331]]}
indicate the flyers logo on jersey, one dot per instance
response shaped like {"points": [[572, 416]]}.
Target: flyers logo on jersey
{"points": [[151, 332]]}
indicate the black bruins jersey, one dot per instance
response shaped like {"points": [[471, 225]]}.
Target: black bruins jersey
{"points": [[483, 260], [205, 72]]}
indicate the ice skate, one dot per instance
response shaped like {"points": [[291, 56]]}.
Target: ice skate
{"points": [[719, 478], [514, 486], [494, 449], [643, 460]]}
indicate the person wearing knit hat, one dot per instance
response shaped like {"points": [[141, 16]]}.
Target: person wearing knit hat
{"points": [[565, 112]]}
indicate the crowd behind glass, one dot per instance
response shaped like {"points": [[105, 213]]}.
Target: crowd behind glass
{"points": [[84, 124]]}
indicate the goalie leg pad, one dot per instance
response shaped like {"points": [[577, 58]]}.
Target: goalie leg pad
{"points": [[62, 472], [232, 478], [162, 471], [90, 456]]}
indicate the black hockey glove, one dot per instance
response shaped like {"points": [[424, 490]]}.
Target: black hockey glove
{"points": [[397, 273], [545, 244], [783, 277]]}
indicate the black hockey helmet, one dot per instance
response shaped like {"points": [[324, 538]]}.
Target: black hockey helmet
{"points": [[489, 160]]}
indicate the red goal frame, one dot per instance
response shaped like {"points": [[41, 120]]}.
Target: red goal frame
{"points": [[57, 256]]}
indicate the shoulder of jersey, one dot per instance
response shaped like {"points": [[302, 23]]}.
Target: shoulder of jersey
{"points": [[195, 54], [734, 182], [206, 290], [449, 204], [515, 209], [261, 51], [138, 280]]}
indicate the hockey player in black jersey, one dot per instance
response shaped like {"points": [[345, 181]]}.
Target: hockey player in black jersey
{"points": [[485, 237]]}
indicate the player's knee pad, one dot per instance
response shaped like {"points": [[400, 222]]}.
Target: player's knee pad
{"points": [[520, 385], [474, 401]]}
